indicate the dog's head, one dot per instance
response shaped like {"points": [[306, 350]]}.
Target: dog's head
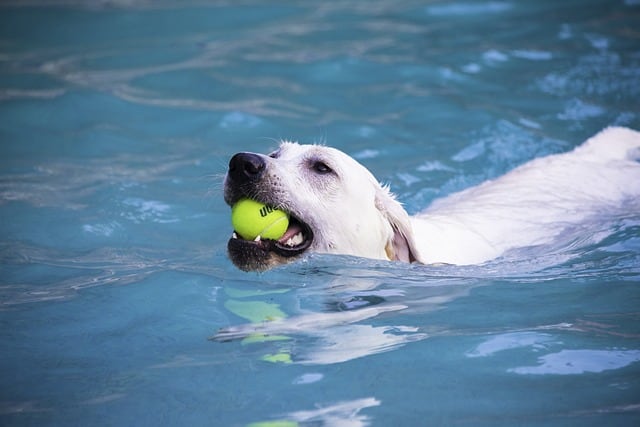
{"points": [[335, 206]]}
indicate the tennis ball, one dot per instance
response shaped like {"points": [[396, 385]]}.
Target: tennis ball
{"points": [[251, 219]]}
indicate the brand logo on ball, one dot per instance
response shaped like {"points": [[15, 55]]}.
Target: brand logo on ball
{"points": [[265, 210]]}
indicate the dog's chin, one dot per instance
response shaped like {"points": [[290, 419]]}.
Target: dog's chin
{"points": [[263, 254]]}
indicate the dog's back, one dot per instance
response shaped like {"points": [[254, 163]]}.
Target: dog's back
{"points": [[535, 202]]}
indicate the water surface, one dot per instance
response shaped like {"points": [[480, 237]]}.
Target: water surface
{"points": [[117, 120]]}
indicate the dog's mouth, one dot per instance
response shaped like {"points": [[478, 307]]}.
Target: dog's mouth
{"points": [[261, 253], [295, 240]]}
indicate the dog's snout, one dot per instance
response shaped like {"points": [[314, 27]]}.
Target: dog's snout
{"points": [[245, 167]]}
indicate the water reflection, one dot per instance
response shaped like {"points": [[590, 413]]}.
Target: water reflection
{"points": [[344, 414], [572, 362], [334, 317], [331, 337]]}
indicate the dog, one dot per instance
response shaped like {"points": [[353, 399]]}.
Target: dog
{"points": [[337, 206]]}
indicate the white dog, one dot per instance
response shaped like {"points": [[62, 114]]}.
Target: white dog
{"points": [[337, 206]]}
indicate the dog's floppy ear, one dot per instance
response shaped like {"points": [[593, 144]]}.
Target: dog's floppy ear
{"points": [[401, 245]]}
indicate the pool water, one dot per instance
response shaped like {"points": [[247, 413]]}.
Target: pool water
{"points": [[119, 305]]}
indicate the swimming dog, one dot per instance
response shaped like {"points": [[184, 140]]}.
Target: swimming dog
{"points": [[337, 206]]}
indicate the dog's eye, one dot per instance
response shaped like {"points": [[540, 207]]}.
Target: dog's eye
{"points": [[275, 154], [321, 167]]}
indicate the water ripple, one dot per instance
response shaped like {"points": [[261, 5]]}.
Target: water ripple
{"points": [[98, 267]]}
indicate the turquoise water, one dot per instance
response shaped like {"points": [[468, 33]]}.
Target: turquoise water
{"points": [[117, 120]]}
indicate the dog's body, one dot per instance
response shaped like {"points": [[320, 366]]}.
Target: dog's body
{"points": [[337, 206]]}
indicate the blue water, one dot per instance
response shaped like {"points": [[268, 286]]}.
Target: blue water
{"points": [[117, 120]]}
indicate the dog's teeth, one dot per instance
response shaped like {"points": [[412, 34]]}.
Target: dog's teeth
{"points": [[234, 235], [295, 240], [257, 239]]}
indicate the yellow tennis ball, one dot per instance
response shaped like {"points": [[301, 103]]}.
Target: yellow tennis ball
{"points": [[251, 219]]}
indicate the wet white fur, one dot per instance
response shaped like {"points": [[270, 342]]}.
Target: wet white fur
{"points": [[533, 203], [351, 213]]}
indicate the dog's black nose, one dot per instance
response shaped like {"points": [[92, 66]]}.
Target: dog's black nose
{"points": [[245, 167]]}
